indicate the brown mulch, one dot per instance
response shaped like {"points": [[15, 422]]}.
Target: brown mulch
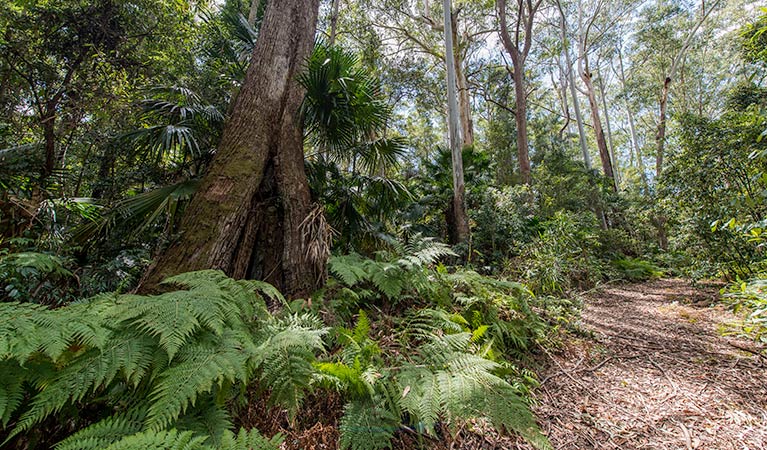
{"points": [[657, 374]]}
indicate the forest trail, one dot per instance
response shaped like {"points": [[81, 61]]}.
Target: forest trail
{"points": [[657, 374]]}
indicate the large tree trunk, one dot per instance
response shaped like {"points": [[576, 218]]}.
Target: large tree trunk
{"points": [[247, 218], [571, 78], [524, 26], [459, 225], [464, 106]]}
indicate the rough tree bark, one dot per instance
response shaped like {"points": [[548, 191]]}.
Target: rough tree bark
{"points": [[459, 219], [248, 217]]}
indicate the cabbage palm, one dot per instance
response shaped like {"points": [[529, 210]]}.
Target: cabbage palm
{"points": [[179, 125], [345, 123]]}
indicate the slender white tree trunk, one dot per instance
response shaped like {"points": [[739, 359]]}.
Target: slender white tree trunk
{"points": [[610, 146], [571, 83], [334, 21], [460, 223]]}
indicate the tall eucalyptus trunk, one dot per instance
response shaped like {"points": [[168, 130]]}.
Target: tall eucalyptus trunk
{"points": [[459, 227], [462, 83], [604, 152], [334, 21], [610, 146], [573, 92], [518, 49], [587, 77]]}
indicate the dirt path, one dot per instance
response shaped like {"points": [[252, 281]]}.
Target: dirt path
{"points": [[657, 374]]}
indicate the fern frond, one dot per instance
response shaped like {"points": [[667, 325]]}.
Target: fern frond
{"points": [[366, 426], [427, 322], [208, 362], [26, 328], [208, 418], [349, 268], [452, 383], [12, 378], [102, 434], [161, 440], [286, 358], [249, 440], [423, 251], [362, 328], [88, 372], [175, 316], [345, 378], [386, 277]]}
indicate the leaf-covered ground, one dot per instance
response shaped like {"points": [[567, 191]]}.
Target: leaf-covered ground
{"points": [[657, 374]]}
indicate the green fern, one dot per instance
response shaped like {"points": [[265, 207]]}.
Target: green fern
{"points": [[249, 440], [448, 382], [209, 362], [172, 359], [183, 440], [161, 440], [104, 433], [286, 357], [349, 268], [11, 389], [393, 270], [367, 426]]}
